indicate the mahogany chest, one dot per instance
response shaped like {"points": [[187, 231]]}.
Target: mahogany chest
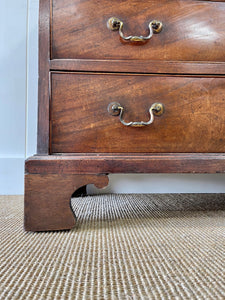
{"points": [[124, 87]]}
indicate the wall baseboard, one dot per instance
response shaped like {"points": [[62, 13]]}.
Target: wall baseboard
{"points": [[162, 183], [12, 175]]}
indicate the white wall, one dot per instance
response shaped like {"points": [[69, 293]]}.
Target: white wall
{"points": [[13, 27], [32, 77], [18, 112]]}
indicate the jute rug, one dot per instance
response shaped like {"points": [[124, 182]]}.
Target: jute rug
{"points": [[123, 247]]}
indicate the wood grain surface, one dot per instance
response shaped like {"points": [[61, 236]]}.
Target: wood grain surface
{"points": [[192, 30], [47, 199], [194, 119], [139, 66], [126, 163], [43, 78], [182, 67]]}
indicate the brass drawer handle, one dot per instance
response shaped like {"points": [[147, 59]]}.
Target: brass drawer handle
{"points": [[116, 24], [116, 109]]}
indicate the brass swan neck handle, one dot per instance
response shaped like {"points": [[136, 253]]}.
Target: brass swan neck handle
{"points": [[116, 24], [115, 109]]}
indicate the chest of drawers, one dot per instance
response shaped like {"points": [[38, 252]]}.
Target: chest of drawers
{"points": [[124, 87]]}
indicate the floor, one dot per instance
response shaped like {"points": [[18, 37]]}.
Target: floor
{"points": [[138, 246]]}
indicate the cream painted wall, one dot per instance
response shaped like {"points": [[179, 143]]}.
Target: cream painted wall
{"points": [[18, 113]]}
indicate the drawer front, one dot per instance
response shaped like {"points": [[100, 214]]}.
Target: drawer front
{"points": [[192, 30], [193, 121]]}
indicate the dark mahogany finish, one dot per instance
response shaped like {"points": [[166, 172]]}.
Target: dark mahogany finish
{"points": [[127, 163], [47, 199], [193, 120], [192, 30], [83, 66], [139, 66], [43, 81]]}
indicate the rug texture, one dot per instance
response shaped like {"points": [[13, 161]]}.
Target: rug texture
{"points": [[123, 247]]}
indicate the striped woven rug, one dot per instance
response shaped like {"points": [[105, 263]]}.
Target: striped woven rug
{"points": [[169, 246]]}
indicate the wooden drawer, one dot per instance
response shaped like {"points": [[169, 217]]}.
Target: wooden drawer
{"points": [[194, 119], [192, 30]]}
